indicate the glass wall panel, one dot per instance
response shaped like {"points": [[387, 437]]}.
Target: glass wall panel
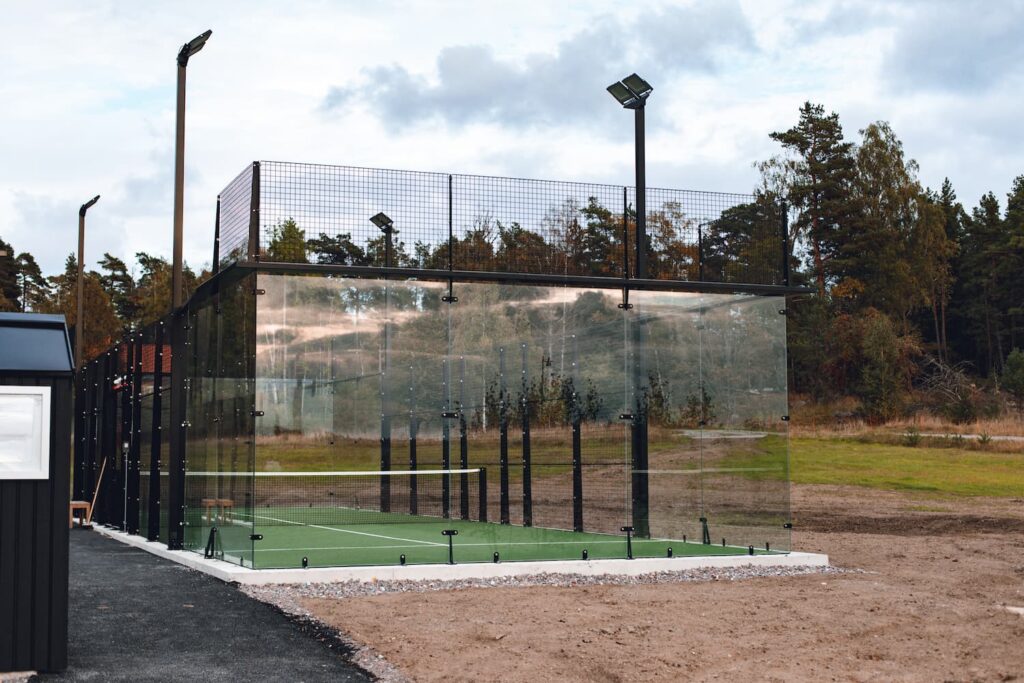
{"points": [[219, 444], [744, 441], [535, 422]]}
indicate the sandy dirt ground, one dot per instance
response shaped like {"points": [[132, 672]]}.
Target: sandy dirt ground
{"points": [[928, 603]]}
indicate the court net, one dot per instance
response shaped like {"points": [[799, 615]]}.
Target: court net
{"points": [[337, 498]]}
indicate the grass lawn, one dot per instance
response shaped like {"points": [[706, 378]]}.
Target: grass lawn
{"points": [[940, 471]]}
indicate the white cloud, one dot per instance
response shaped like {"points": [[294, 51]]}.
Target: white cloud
{"points": [[498, 88]]}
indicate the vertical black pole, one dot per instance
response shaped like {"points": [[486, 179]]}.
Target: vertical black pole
{"points": [[133, 466], [254, 214], [109, 446], [91, 444], [785, 242], [641, 196], [78, 469], [451, 239], [385, 433], [413, 429], [638, 428], [463, 443], [482, 495], [503, 437], [446, 446], [123, 460], [178, 430], [216, 240], [527, 483], [577, 450], [700, 252], [153, 515]]}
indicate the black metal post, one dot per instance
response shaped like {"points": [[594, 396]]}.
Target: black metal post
{"points": [[178, 430], [700, 252], [133, 472], [785, 243], [124, 447], [503, 439], [446, 446], [639, 429], [215, 266], [106, 426], [153, 528], [254, 214], [641, 194], [577, 449], [413, 429], [482, 494], [78, 468], [463, 443], [527, 480]]}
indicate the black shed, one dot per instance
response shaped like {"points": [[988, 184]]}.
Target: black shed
{"points": [[35, 448]]}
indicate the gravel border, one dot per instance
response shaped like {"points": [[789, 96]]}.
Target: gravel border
{"points": [[288, 597]]}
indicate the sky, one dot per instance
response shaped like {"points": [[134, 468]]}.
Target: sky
{"points": [[496, 88]]}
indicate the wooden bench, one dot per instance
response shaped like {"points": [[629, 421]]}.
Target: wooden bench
{"points": [[223, 507], [84, 507]]}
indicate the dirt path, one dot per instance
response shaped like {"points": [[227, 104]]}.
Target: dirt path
{"points": [[927, 607]]}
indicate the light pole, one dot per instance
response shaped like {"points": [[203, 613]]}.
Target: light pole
{"points": [[386, 226], [632, 93], [79, 321], [186, 51]]}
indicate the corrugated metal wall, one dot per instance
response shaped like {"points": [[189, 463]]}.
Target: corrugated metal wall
{"points": [[34, 548]]}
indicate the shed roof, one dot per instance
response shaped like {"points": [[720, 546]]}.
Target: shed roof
{"points": [[34, 342]]}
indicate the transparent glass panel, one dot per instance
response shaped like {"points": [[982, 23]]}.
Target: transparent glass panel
{"points": [[219, 481], [537, 422], [744, 441]]}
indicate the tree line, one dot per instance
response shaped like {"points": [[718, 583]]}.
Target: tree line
{"points": [[918, 299], [115, 299]]}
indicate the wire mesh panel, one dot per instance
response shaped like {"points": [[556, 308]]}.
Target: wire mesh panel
{"points": [[310, 213], [235, 213]]}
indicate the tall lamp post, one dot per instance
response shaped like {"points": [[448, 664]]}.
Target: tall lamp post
{"points": [[79, 321], [186, 51], [632, 93]]}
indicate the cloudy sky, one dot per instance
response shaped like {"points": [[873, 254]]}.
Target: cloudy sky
{"points": [[503, 88]]}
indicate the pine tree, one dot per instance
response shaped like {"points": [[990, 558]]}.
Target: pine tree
{"points": [[817, 180]]}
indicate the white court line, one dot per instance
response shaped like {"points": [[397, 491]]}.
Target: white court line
{"points": [[349, 531]]}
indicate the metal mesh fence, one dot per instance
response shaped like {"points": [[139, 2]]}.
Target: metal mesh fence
{"points": [[311, 213], [235, 211]]}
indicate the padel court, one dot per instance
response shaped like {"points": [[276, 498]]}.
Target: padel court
{"points": [[422, 542]]}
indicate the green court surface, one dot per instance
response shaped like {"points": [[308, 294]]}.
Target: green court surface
{"points": [[419, 539]]}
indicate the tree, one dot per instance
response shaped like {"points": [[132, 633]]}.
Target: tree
{"points": [[817, 177], [287, 243], [35, 289], [152, 298], [1013, 377], [119, 285], [10, 291], [102, 325]]}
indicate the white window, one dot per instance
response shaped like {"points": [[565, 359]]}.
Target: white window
{"points": [[24, 432]]}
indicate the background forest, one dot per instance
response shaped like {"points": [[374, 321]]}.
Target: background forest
{"points": [[919, 303]]}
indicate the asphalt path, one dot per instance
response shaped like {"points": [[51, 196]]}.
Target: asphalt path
{"points": [[136, 617]]}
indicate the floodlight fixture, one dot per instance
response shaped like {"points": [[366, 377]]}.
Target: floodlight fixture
{"points": [[382, 221], [191, 47], [85, 207], [631, 92]]}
